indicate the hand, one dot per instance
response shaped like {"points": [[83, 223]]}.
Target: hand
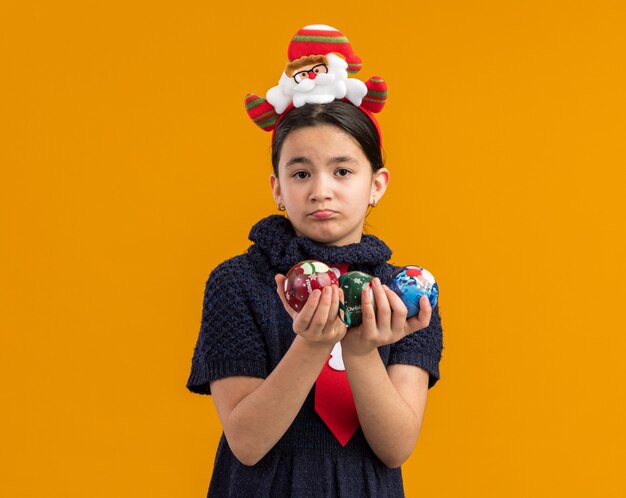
{"points": [[387, 325], [422, 320], [318, 321]]}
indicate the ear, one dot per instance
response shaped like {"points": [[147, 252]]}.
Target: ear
{"points": [[278, 199], [380, 181]]}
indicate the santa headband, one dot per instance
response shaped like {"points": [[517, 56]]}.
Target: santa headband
{"points": [[320, 59]]}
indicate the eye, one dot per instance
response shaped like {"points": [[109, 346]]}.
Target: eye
{"points": [[299, 76], [300, 175], [343, 172]]}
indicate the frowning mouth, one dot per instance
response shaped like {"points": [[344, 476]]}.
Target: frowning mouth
{"points": [[323, 214]]}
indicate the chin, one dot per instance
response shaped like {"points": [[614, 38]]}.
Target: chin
{"points": [[333, 239], [328, 233]]}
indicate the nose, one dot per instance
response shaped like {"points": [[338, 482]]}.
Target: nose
{"points": [[312, 75], [321, 189]]}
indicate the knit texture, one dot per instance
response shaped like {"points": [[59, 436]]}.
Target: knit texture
{"points": [[261, 112], [246, 331]]}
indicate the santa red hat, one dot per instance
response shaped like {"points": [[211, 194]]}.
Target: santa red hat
{"points": [[320, 39]]}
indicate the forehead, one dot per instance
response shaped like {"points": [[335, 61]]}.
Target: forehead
{"points": [[322, 146], [321, 140]]}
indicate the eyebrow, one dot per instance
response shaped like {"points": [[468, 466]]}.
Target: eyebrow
{"points": [[294, 161]]}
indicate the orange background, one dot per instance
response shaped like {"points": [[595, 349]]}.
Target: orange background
{"points": [[130, 169]]}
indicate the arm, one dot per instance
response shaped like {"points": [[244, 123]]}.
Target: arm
{"points": [[255, 413], [390, 402]]}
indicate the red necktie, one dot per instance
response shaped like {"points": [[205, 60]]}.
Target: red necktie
{"points": [[333, 399]]}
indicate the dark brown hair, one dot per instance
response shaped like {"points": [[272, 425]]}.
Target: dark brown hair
{"points": [[339, 113]]}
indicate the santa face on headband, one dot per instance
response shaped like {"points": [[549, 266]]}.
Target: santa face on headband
{"points": [[316, 79]]}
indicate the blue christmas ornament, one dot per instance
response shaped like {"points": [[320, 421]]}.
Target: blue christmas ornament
{"points": [[411, 283]]}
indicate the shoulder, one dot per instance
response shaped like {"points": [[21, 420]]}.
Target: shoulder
{"points": [[232, 266], [231, 270], [222, 282], [240, 279], [234, 297]]}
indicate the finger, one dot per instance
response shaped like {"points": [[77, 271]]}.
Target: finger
{"points": [[368, 314], [425, 311], [399, 311], [422, 320], [280, 290], [334, 306], [302, 321], [335, 326], [383, 310], [320, 318]]}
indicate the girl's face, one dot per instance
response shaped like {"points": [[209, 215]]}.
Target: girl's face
{"points": [[326, 183]]}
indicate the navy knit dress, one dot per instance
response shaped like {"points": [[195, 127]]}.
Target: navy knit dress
{"points": [[246, 331]]}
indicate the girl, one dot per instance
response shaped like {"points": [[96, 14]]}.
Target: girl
{"points": [[295, 423], [260, 359]]}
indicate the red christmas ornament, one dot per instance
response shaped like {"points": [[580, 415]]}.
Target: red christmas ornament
{"points": [[304, 278]]}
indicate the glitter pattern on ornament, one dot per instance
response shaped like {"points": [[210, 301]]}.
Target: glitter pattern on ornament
{"points": [[306, 276], [352, 284], [411, 283]]}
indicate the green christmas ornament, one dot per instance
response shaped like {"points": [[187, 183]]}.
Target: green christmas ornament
{"points": [[353, 284]]}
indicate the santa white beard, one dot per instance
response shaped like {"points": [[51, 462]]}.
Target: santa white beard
{"points": [[309, 85], [325, 88]]}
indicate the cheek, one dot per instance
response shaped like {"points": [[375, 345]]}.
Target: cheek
{"points": [[292, 196], [364, 190]]}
